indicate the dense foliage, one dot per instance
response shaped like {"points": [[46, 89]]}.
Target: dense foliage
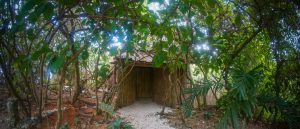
{"points": [[248, 50]]}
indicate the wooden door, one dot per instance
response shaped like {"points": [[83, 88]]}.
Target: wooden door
{"points": [[143, 85]]}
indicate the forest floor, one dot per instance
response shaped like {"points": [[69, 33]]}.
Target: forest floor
{"points": [[141, 115], [81, 116], [144, 114], [206, 118]]}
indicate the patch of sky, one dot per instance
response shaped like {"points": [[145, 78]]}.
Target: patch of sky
{"points": [[79, 35], [156, 6], [204, 46], [49, 73], [179, 22], [115, 43]]}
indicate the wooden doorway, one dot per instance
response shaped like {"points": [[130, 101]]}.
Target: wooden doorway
{"points": [[143, 83]]}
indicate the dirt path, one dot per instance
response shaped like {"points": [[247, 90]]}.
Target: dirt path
{"points": [[144, 115]]}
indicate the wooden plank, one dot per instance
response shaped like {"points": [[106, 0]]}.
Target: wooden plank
{"points": [[143, 85], [149, 82]]}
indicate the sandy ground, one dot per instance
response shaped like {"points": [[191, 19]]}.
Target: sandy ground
{"points": [[144, 115]]}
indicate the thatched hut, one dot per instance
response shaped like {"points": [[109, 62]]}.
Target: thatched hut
{"points": [[136, 79]]}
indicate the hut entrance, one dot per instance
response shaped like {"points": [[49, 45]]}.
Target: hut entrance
{"points": [[143, 82], [147, 83]]}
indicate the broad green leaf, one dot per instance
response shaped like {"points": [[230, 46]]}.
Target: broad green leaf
{"points": [[30, 34], [89, 9], [45, 49], [48, 11], [130, 47], [37, 12], [56, 63], [19, 61], [200, 6], [234, 117], [184, 48], [68, 3], [85, 55], [209, 20], [113, 51], [28, 6], [173, 49], [126, 58], [170, 36], [104, 71], [159, 58], [238, 19], [211, 3]]}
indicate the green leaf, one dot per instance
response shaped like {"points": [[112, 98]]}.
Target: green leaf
{"points": [[159, 58], [116, 124], [28, 6], [113, 51], [209, 20], [68, 3], [126, 58], [48, 11], [130, 47], [65, 126], [173, 49], [200, 33], [45, 49], [104, 71], [56, 63], [238, 19], [193, 92], [85, 55], [88, 9], [200, 6], [211, 3], [164, 44], [234, 117], [107, 108], [36, 14], [30, 34], [223, 122], [184, 48], [145, 3], [170, 36], [19, 60]]}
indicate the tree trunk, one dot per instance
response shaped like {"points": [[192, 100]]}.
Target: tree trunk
{"points": [[77, 88], [41, 98], [97, 83], [205, 72], [13, 113], [46, 90], [11, 88], [59, 99], [204, 100]]}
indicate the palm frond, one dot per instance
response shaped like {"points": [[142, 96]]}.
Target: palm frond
{"points": [[193, 92], [241, 99]]}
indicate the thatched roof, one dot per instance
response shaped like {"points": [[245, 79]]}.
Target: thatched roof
{"points": [[139, 56]]}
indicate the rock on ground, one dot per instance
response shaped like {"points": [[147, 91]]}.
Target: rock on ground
{"points": [[144, 114]]}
